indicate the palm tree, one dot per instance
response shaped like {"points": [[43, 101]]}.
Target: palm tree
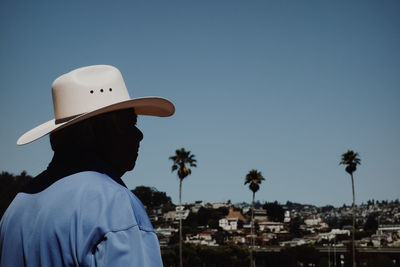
{"points": [[254, 179], [181, 159], [351, 160]]}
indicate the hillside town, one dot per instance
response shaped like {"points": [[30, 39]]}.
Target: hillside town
{"points": [[215, 224]]}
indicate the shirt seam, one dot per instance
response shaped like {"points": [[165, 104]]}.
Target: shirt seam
{"points": [[142, 228], [104, 237]]}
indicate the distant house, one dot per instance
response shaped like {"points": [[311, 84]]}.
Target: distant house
{"points": [[313, 221], [197, 205], [164, 235], [181, 212], [218, 205], [201, 239], [260, 215], [293, 243], [169, 216], [333, 233], [245, 210], [287, 216], [247, 226], [379, 240], [273, 227], [230, 222], [388, 228], [386, 235]]}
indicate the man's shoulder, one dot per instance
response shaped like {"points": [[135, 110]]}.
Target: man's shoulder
{"points": [[90, 197], [93, 179], [101, 191]]}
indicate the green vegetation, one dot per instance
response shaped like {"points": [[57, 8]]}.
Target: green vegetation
{"points": [[153, 199], [275, 211], [371, 225], [205, 217], [203, 256], [9, 186]]}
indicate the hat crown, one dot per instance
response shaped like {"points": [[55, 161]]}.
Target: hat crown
{"points": [[87, 89], [90, 91]]}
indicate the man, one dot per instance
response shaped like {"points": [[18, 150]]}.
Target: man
{"points": [[79, 212]]}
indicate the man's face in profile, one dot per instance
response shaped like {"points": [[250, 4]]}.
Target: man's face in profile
{"points": [[125, 146], [130, 148], [113, 136]]}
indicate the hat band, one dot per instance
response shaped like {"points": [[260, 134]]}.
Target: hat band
{"points": [[58, 121]]}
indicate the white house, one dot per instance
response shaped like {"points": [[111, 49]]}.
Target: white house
{"points": [[273, 227], [313, 221], [228, 224], [169, 216], [287, 216], [181, 212], [201, 239]]}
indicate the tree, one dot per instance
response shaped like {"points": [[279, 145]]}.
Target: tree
{"points": [[254, 179], [294, 227], [371, 225], [327, 208], [10, 185], [206, 217], [221, 256], [182, 160], [300, 256], [153, 199], [351, 160], [275, 211]]}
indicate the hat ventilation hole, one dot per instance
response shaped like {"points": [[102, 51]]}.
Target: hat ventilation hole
{"points": [[110, 89], [101, 90], [91, 91]]}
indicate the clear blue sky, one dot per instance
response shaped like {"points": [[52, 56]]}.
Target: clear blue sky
{"points": [[285, 87]]}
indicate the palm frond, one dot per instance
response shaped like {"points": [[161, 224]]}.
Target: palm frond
{"points": [[351, 159], [254, 179], [181, 159]]}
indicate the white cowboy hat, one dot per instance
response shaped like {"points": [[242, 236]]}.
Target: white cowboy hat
{"points": [[90, 91]]}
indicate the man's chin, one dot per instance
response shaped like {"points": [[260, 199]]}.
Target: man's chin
{"points": [[132, 167], [132, 164]]}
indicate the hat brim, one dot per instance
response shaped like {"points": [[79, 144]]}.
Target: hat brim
{"points": [[151, 106]]}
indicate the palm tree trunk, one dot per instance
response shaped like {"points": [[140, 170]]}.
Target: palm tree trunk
{"points": [[354, 221], [180, 223], [252, 231]]}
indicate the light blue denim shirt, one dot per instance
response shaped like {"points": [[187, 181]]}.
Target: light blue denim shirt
{"points": [[84, 219]]}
